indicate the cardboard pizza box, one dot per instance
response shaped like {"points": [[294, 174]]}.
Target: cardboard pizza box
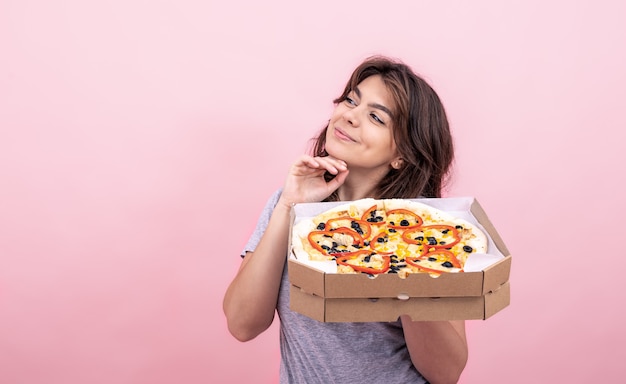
{"points": [[480, 292]]}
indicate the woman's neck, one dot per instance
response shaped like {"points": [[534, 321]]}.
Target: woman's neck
{"points": [[358, 186], [347, 193]]}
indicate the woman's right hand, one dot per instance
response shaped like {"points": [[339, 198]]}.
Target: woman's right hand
{"points": [[305, 182]]}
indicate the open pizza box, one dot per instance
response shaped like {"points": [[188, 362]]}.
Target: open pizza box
{"points": [[317, 291]]}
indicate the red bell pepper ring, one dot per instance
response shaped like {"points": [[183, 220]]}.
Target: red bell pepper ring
{"points": [[374, 242], [365, 226], [358, 239], [343, 260], [407, 235], [442, 255], [418, 220], [368, 215]]}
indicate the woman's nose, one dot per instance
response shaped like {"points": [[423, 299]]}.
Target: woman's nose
{"points": [[351, 117]]}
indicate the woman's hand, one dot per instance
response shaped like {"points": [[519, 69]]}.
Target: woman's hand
{"points": [[305, 182]]}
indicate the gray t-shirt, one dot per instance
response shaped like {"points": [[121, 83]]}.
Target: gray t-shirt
{"points": [[325, 353]]}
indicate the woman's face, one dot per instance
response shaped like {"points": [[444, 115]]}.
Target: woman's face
{"points": [[360, 128]]}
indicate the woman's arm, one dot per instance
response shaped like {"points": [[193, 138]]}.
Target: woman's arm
{"points": [[438, 349], [250, 300]]}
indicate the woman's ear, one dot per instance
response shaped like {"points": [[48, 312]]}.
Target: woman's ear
{"points": [[397, 163]]}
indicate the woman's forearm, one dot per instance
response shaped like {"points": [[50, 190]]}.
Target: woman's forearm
{"points": [[438, 349], [250, 300]]}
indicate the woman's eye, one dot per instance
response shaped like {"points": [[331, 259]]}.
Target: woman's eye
{"points": [[350, 101], [376, 118]]}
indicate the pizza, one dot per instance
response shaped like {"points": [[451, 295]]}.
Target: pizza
{"points": [[376, 236]]}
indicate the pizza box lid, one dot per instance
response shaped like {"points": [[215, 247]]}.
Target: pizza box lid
{"points": [[484, 273]]}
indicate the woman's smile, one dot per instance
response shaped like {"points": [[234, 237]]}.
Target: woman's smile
{"points": [[342, 135]]}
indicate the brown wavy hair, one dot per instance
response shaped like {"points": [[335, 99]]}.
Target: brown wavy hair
{"points": [[420, 130]]}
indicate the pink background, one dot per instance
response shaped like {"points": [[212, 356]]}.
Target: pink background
{"points": [[140, 139]]}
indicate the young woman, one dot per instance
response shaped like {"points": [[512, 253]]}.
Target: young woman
{"points": [[388, 137]]}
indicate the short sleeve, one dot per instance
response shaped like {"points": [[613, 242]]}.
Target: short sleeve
{"points": [[262, 222]]}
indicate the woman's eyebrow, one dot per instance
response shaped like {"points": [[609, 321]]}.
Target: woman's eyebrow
{"points": [[374, 105], [382, 108]]}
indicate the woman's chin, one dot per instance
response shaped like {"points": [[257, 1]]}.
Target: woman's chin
{"points": [[336, 153]]}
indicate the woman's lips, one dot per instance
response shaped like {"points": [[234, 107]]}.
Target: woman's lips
{"points": [[343, 135]]}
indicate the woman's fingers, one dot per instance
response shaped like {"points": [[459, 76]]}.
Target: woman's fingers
{"points": [[327, 163], [306, 181], [306, 163], [331, 164]]}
